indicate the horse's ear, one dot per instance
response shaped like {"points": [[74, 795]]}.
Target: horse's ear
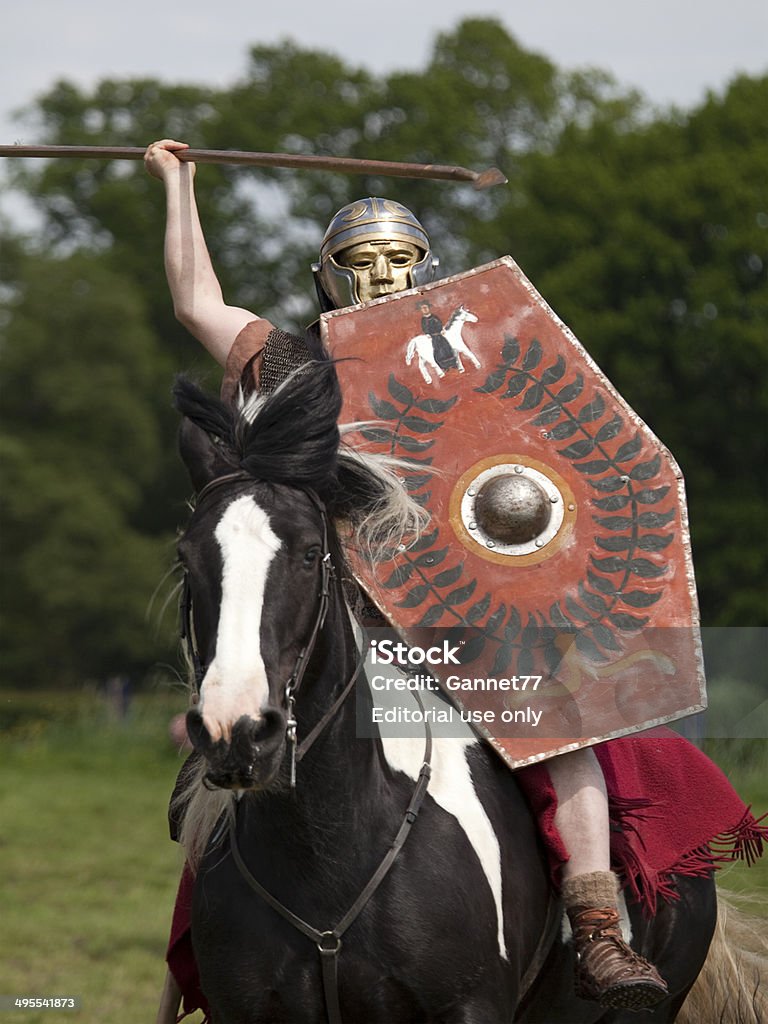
{"points": [[200, 454]]}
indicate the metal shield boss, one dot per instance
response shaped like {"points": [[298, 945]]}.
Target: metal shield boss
{"points": [[557, 558]]}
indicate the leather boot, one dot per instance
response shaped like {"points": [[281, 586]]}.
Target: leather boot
{"points": [[608, 971]]}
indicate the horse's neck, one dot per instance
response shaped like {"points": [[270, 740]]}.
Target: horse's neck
{"points": [[455, 327]]}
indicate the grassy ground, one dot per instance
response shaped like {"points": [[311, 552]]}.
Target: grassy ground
{"points": [[88, 873], [745, 762]]}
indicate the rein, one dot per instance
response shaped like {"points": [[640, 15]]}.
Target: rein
{"points": [[328, 942]]}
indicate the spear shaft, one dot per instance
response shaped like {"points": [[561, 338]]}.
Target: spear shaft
{"points": [[342, 164]]}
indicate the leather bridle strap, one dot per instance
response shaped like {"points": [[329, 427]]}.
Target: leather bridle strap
{"points": [[326, 572], [329, 942], [313, 734]]}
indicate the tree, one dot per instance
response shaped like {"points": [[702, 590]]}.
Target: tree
{"points": [[643, 229], [651, 243], [79, 447]]}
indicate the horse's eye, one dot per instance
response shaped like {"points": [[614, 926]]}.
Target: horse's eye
{"points": [[311, 555]]}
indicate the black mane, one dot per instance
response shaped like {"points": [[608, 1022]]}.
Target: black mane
{"points": [[289, 436]]}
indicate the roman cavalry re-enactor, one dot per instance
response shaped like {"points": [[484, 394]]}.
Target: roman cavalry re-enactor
{"points": [[375, 248]]}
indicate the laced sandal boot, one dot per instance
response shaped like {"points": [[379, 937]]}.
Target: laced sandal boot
{"points": [[608, 971]]}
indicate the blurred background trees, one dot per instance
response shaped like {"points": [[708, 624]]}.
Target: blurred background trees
{"points": [[646, 230]]}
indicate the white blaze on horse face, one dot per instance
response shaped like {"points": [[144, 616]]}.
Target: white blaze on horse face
{"points": [[236, 681]]}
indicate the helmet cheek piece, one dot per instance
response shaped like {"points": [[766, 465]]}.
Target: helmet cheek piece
{"points": [[336, 285], [424, 271]]}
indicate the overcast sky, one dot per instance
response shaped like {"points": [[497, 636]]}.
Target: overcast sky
{"points": [[673, 50]]}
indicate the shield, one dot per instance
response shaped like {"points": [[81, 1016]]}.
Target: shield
{"points": [[557, 559]]}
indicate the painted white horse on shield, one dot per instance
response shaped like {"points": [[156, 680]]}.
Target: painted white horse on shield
{"points": [[421, 345]]}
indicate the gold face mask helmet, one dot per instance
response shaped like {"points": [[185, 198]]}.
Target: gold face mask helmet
{"points": [[372, 247]]}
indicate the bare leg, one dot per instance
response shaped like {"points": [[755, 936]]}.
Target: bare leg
{"points": [[582, 811], [169, 1001], [607, 970]]}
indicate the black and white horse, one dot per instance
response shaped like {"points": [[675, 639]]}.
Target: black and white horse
{"points": [[422, 346], [310, 905]]}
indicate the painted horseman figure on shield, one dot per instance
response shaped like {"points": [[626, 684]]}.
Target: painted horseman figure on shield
{"points": [[509, 511]]}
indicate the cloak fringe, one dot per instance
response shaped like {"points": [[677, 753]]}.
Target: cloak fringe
{"points": [[744, 842]]}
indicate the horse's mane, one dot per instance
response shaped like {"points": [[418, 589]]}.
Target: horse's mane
{"points": [[291, 436], [288, 436], [453, 317]]}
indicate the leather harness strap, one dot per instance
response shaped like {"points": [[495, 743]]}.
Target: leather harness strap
{"points": [[329, 942]]}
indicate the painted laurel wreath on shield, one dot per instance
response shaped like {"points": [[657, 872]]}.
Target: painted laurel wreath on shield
{"points": [[605, 604]]}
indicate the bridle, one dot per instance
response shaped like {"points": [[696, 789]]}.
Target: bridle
{"points": [[292, 687], [328, 941]]}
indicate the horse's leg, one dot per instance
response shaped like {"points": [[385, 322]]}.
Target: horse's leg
{"points": [[464, 350], [424, 370]]}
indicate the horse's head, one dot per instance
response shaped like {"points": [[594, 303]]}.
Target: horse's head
{"points": [[257, 561], [466, 315]]}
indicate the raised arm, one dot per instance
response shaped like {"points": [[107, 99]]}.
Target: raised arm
{"points": [[197, 298]]}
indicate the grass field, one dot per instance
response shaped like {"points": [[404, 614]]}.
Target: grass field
{"points": [[88, 873]]}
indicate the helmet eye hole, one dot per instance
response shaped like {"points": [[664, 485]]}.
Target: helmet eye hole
{"points": [[357, 263], [365, 255]]}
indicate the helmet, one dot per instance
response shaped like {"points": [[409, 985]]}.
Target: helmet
{"points": [[367, 220]]}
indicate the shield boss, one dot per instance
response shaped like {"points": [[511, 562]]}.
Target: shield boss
{"points": [[512, 509]]}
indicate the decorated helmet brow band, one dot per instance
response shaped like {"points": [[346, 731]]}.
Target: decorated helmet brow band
{"points": [[372, 219]]}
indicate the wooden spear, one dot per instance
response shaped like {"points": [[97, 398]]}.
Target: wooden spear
{"points": [[342, 164]]}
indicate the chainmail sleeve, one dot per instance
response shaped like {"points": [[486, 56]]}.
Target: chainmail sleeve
{"points": [[263, 355], [283, 353]]}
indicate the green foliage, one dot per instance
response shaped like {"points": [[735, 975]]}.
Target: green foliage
{"points": [[645, 230], [80, 447], [652, 245]]}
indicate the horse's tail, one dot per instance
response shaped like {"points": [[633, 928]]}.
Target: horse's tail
{"points": [[732, 987], [409, 352]]}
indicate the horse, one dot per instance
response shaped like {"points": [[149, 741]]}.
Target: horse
{"points": [[422, 347], [339, 878]]}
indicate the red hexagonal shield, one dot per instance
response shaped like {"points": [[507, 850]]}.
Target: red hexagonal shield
{"points": [[557, 559]]}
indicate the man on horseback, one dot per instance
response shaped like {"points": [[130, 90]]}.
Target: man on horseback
{"points": [[432, 325], [374, 248]]}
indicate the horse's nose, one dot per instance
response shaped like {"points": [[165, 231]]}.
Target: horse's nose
{"points": [[250, 759]]}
